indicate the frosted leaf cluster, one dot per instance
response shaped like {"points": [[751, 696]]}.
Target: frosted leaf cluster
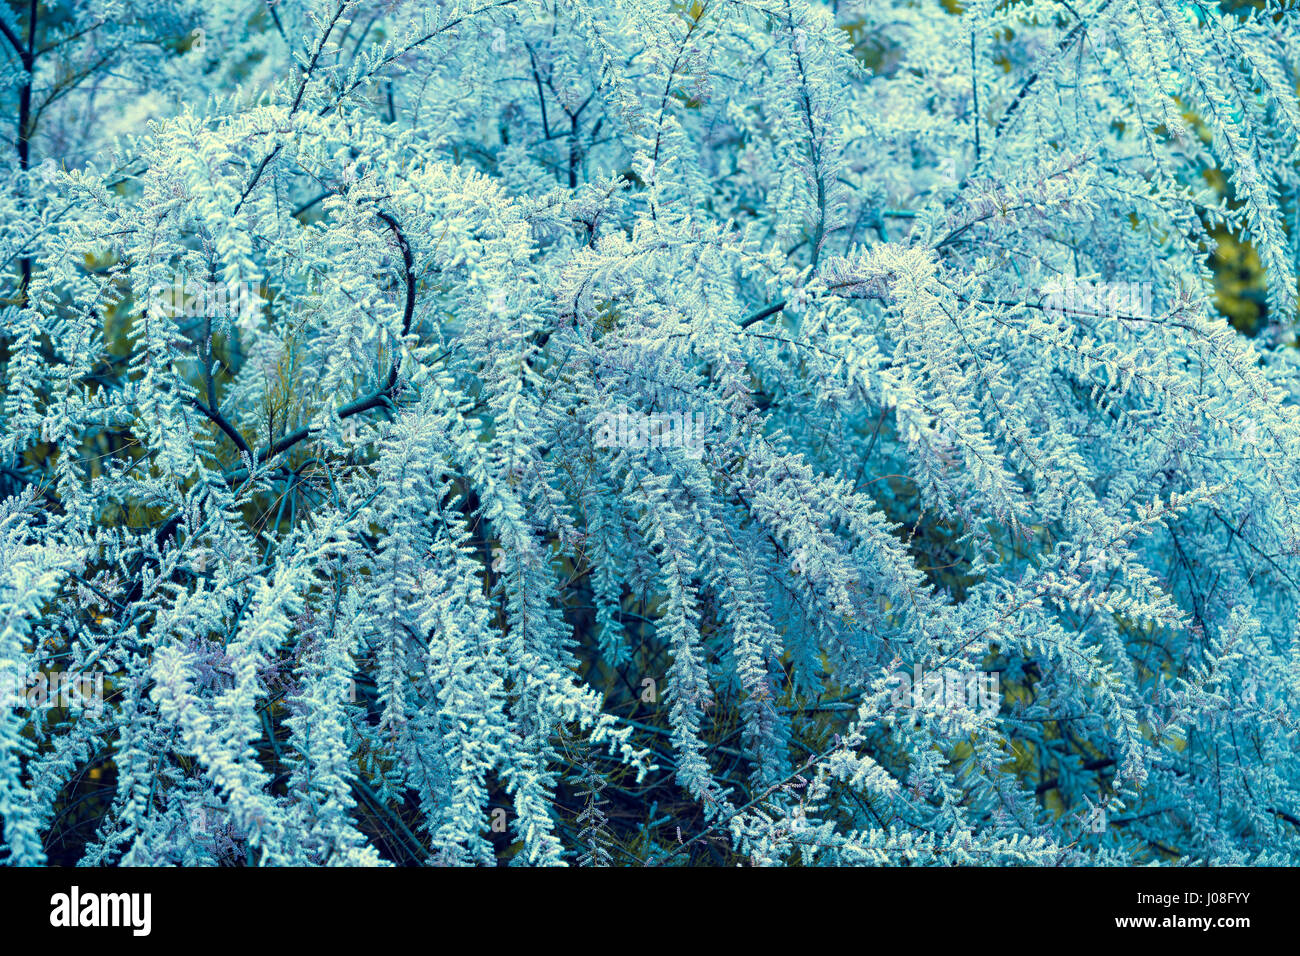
{"points": [[324, 323]]}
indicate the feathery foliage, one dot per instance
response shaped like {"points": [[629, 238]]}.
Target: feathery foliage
{"points": [[619, 432]]}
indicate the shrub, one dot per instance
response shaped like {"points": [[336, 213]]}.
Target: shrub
{"points": [[626, 432]]}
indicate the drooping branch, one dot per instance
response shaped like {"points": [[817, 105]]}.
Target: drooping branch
{"points": [[215, 416], [381, 395]]}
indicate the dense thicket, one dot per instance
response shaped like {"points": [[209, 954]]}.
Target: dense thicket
{"points": [[612, 432]]}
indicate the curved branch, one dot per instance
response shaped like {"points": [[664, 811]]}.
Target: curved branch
{"points": [[220, 421], [380, 396]]}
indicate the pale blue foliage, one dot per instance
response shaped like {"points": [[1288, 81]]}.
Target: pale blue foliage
{"points": [[316, 315]]}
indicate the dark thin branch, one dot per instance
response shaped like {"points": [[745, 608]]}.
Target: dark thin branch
{"points": [[541, 98], [220, 421], [11, 37], [311, 202], [1066, 42], [763, 313], [297, 101], [380, 396], [414, 44], [1284, 815], [28, 57], [275, 17], [975, 92]]}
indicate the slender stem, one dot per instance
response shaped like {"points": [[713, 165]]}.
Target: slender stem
{"points": [[380, 396]]}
